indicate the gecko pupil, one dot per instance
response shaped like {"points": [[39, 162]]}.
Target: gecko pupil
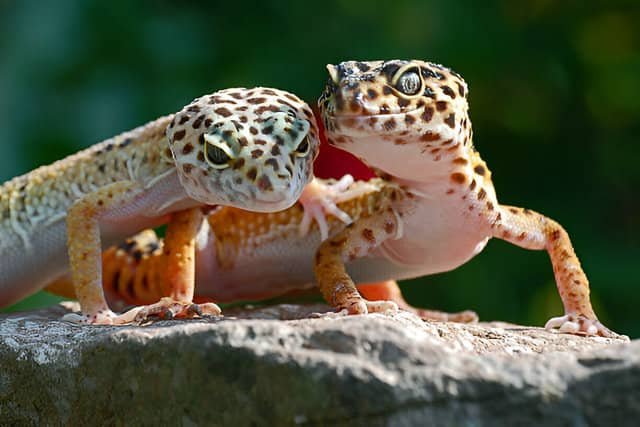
{"points": [[303, 148], [409, 83], [216, 155]]}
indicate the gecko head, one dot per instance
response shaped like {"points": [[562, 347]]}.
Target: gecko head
{"points": [[415, 106], [248, 148]]}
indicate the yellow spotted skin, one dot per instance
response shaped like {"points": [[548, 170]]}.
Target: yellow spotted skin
{"points": [[409, 120], [250, 148]]}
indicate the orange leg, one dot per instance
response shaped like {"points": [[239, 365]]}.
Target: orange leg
{"points": [[532, 230], [143, 271], [176, 271], [390, 291], [355, 241]]}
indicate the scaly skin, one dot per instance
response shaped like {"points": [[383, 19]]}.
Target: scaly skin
{"points": [[409, 120], [250, 256], [431, 210], [249, 148]]}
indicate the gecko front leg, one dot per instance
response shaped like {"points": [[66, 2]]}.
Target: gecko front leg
{"points": [[85, 250], [178, 280], [355, 241], [531, 230]]}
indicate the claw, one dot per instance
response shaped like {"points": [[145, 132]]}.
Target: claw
{"points": [[580, 325], [320, 200], [194, 309]]}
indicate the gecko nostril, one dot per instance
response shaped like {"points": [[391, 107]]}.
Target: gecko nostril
{"points": [[264, 183]]}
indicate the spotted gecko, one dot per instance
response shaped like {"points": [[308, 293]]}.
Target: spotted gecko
{"points": [[432, 208], [249, 148]]}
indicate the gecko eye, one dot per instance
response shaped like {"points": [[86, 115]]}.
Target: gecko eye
{"points": [[216, 156], [409, 82], [303, 148]]}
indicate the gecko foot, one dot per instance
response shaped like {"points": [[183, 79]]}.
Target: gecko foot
{"points": [[580, 325], [319, 200], [362, 306], [167, 309]]}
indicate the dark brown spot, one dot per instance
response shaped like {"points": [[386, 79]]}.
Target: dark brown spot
{"points": [[188, 148], [430, 136], [458, 177], [479, 170], [450, 191], [389, 226], [194, 109], [451, 120], [460, 161], [253, 130], [197, 122], [441, 105], [555, 235], [258, 100], [527, 211], [200, 156], [403, 103], [179, 135], [243, 141], [409, 119], [187, 168], [446, 142], [389, 124], [256, 153], [268, 130], [367, 234], [489, 206], [273, 163], [513, 210], [252, 173], [372, 94], [238, 163], [292, 97], [223, 111], [522, 236], [427, 114], [448, 91], [460, 89], [482, 194], [275, 150], [260, 142]]}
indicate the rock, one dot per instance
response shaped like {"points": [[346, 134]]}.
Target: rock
{"points": [[257, 368]]}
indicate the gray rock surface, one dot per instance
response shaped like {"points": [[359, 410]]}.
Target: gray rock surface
{"points": [[258, 368]]}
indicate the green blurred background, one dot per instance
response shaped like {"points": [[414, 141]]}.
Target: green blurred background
{"points": [[555, 103]]}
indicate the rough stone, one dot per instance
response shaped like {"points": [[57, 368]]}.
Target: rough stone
{"points": [[277, 366]]}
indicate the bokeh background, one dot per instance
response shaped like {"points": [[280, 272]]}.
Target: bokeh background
{"points": [[555, 103]]}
